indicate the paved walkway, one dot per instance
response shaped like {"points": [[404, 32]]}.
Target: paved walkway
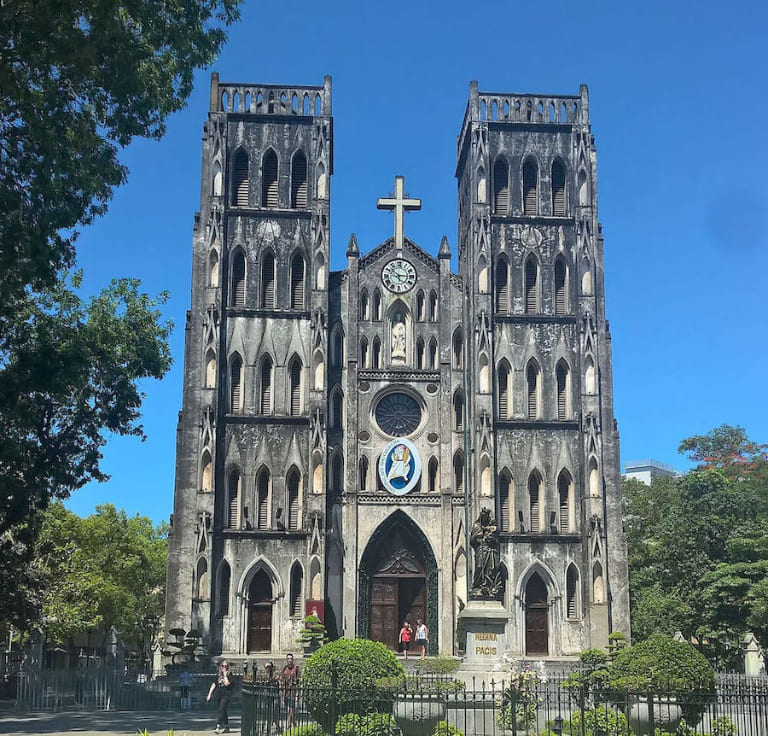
{"points": [[158, 723]]}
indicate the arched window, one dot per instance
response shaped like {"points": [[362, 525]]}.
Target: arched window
{"points": [[531, 286], [505, 390], [530, 188], [536, 502], [268, 281], [265, 389], [337, 347], [376, 353], [432, 306], [363, 467], [433, 354], [458, 472], [458, 349], [506, 494], [237, 294], [337, 472], [364, 352], [213, 269], [563, 377], [210, 368], [364, 306], [295, 387], [263, 488], [269, 180], [236, 385], [565, 496], [240, 179], [233, 499], [502, 286], [337, 410], [293, 483], [206, 473], [298, 271], [201, 593], [458, 411], [225, 577], [572, 592], [558, 189], [299, 181], [532, 379], [433, 478], [376, 305], [500, 187], [297, 584], [420, 354], [420, 306], [561, 286]]}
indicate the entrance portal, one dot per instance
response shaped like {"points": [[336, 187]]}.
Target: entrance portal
{"points": [[260, 613], [398, 582], [536, 616]]}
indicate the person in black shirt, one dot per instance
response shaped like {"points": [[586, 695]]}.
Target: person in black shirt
{"points": [[222, 686]]}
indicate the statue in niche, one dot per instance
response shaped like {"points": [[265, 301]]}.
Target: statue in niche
{"points": [[487, 580], [398, 338]]}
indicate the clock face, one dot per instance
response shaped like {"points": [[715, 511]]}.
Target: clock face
{"points": [[399, 276]]}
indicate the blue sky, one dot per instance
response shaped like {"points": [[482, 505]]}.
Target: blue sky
{"points": [[679, 110]]}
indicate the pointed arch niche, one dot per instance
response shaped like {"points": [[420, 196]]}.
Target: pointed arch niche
{"points": [[400, 331], [397, 579]]}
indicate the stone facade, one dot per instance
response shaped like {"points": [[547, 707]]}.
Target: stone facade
{"points": [[342, 430]]}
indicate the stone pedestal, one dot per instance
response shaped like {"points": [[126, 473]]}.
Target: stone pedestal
{"points": [[485, 623]]}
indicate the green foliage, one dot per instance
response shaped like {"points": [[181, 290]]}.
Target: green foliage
{"points": [[370, 724], [438, 666], [351, 667], [447, 729], [599, 721], [519, 701], [313, 631], [307, 729], [723, 726]]}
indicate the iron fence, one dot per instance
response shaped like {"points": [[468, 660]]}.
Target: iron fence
{"points": [[549, 707]]}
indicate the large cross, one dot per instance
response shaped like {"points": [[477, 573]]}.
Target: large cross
{"points": [[399, 204]]}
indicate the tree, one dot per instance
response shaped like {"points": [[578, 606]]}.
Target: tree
{"points": [[726, 448]]}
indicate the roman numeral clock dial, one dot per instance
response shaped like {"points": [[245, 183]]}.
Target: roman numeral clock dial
{"points": [[399, 276]]}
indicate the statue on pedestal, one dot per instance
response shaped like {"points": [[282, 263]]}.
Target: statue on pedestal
{"points": [[487, 581]]}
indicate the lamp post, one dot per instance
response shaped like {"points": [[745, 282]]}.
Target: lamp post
{"points": [[557, 725]]}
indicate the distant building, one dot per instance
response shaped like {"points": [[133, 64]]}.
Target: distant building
{"points": [[646, 470]]}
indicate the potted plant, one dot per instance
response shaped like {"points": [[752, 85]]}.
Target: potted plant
{"points": [[313, 635]]}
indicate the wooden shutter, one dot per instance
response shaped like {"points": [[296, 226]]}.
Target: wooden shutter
{"points": [[503, 392], [266, 386], [561, 302], [502, 286], [563, 488], [299, 181], [500, 188], [268, 282], [238, 281], [269, 180], [233, 510], [224, 583], [293, 501], [297, 282], [532, 377], [263, 501], [531, 286], [295, 388], [558, 189], [240, 176], [235, 384], [571, 594], [562, 392], [504, 503], [535, 511], [530, 189], [297, 582]]}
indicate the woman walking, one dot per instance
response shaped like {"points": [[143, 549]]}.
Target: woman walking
{"points": [[422, 636], [222, 686]]}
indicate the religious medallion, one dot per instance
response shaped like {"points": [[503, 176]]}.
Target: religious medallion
{"points": [[400, 467]]}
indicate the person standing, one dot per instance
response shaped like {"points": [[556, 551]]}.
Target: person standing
{"points": [[289, 682], [185, 680], [405, 638], [222, 686], [422, 636]]}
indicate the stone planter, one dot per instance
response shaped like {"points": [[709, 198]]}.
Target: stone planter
{"points": [[417, 714], [666, 715]]}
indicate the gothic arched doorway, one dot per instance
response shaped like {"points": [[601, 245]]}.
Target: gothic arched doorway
{"points": [[536, 616], [397, 580], [260, 613]]}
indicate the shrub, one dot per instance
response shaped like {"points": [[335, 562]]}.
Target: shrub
{"points": [[313, 632], [723, 726], [353, 665], [438, 666], [599, 721], [308, 729], [447, 729], [372, 724]]}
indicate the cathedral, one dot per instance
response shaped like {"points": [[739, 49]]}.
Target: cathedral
{"points": [[342, 431]]}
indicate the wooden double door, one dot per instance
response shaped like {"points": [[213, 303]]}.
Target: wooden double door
{"points": [[536, 616], [395, 599], [260, 613]]}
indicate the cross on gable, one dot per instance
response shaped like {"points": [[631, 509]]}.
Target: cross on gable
{"points": [[399, 203]]}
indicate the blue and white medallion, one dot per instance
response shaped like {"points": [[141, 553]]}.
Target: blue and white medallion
{"points": [[400, 467]]}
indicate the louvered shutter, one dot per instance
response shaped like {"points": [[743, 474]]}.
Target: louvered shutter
{"points": [[563, 493], [297, 283], [299, 182], [533, 491], [293, 503], [532, 380], [295, 389], [234, 497], [562, 394], [268, 282], [503, 393], [502, 287], [297, 581], [263, 490], [561, 304], [236, 378], [269, 180], [571, 593], [504, 506], [531, 286], [238, 281], [558, 189], [500, 188], [530, 189], [266, 386], [224, 583], [240, 193]]}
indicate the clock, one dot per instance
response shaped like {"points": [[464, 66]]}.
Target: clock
{"points": [[399, 276]]}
